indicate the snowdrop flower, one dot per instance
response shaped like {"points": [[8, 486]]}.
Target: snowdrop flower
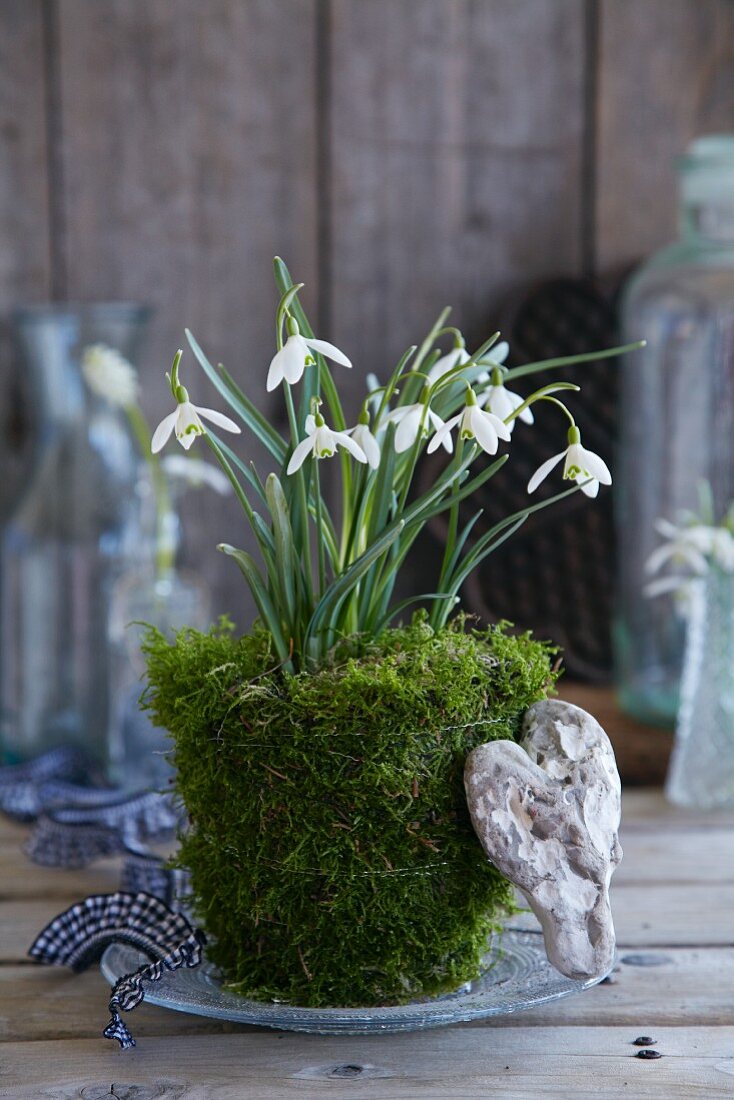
{"points": [[683, 546], [503, 402], [454, 358], [289, 363], [185, 420], [409, 419], [580, 466], [109, 375], [364, 439], [196, 473], [474, 423], [322, 442]]}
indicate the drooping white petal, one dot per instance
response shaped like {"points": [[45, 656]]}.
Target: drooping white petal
{"points": [[659, 556], [348, 444], [327, 349], [408, 427], [542, 472], [364, 438], [310, 424], [589, 486], [275, 371], [219, 419], [324, 442], [496, 399], [666, 584], [484, 430], [445, 429], [299, 456], [595, 465], [447, 362], [163, 432]]}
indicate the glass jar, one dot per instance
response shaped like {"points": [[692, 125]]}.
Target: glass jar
{"points": [[676, 416], [701, 770], [63, 545]]}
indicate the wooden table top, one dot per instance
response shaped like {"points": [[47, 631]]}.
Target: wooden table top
{"points": [[673, 899]]}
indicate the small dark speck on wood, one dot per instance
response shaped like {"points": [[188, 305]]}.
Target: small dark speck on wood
{"points": [[648, 1055], [643, 1041], [345, 1071], [646, 959]]}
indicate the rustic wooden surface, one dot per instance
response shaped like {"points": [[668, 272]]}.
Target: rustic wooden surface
{"points": [[673, 898], [400, 155]]}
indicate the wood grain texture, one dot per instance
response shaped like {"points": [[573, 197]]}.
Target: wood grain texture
{"points": [[450, 1064], [45, 1003], [25, 260], [189, 148], [666, 75], [455, 149]]}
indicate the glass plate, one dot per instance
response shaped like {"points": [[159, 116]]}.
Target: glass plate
{"points": [[518, 976]]}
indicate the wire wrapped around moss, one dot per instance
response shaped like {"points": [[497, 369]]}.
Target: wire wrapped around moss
{"points": [[332, 856]]}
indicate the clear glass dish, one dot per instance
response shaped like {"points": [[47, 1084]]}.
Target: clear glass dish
{"points": [[518, 976]]}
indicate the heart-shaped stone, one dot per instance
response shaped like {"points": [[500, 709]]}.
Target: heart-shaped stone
{"points": [[547, 813]]}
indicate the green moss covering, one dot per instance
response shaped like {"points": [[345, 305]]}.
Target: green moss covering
{"points": [[331, 850]]}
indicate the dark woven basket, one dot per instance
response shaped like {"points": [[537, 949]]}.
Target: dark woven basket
{"points": [[556, 574]]}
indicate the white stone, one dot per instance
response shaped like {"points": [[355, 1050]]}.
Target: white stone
{"points": [[547, 813]]}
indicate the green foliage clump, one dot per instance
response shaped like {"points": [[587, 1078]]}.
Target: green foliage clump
{"points": [[330, 846]]}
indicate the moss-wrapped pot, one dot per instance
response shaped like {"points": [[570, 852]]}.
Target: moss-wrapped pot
{"points": [[331, 851]]}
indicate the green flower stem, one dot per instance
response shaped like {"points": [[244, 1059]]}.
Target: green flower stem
{"points": [[453, 524], [570, 360], [319, 528], [164, 555], [301, 491]]}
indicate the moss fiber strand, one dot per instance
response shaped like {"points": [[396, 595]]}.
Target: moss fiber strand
{"points": [[331, 851]]}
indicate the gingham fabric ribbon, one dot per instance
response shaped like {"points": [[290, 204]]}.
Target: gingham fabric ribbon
{"points": [[74, 836], [77, 937], [61, 776]]}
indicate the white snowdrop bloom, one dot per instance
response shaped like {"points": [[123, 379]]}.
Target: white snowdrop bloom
{"points": [[288, 364], [322, 442], [474, 423], [722, 550], [196, 473], [683, 546], [409, 419], [110, 375], [454, 358], [580, 465], [364, 439], [503, 402], [185, 420]]}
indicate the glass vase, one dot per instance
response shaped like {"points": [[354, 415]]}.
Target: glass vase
{"points": [[138, 751], [701, 770], [676, 417], [64, 544]]}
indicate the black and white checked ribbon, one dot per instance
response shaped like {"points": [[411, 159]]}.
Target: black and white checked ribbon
{"points": [[77, 937], [74, 836], [58, 777]]}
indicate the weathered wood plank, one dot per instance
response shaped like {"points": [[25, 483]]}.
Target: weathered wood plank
{"points": [[665, 76], [448, 1064], [456, 174], [25, 246], [189, 161], [649, 809], [690, 985]]}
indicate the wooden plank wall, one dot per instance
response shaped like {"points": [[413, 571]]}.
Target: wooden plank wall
{"points": [[400, 154]]}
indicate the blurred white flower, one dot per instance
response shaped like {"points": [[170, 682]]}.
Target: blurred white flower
{"points": [[582, 466], [322, 442], [503, 402], [409, 419], [109, 375], [364, 438], [289, 363], [683, 546], [454, 358], [196, 473], [474, 423]]}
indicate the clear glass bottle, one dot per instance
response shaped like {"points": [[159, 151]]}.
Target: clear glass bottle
{"points": [[63, 545], [676, 416], [701, 773], [151, 591]]}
